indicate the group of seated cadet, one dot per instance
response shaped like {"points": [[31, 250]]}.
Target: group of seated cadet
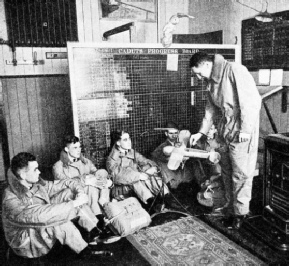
{"points": [[132, 172], [172, 177], [37, 213]]}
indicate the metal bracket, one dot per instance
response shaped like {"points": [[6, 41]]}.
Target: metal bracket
{"points": [[117, 30]]}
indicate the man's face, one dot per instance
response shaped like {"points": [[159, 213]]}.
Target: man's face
{"points": [[211, 133], [172, 135], [125, 142], [203, 70], [30, 173], [73, 150]]}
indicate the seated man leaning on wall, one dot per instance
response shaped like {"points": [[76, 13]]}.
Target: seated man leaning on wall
{"points": [[131, 171], [73, 164], [172, 177], [37, 213]]}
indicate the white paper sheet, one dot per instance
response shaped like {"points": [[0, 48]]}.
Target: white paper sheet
{"points": [[264, 77], [172, 62], [276, 77]]}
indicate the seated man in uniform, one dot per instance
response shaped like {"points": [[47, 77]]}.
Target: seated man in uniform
{"points": [[131, 171], [73, 164], [37, 213], [172, 177]]}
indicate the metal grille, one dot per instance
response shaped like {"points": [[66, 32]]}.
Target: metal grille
{"points": [[41, 23], [280, 201]]}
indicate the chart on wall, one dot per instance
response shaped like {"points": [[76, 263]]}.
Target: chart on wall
{"points": [[136, 87], [265, 45]]}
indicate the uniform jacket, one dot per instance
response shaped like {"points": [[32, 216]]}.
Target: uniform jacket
{"points": [[232, 90], [28, 215], [126, 169], [207, 144], [158, 154], [162, 160], [64, 169]]}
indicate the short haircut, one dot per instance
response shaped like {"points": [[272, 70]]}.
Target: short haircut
{"points": [[70, 139], [116, 135], [21, 161], [199, 58]]}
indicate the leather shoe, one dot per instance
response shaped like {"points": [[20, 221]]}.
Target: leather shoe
{"points": [[106, 233], [228, 222], [158, 207], [170, 202], [236, 222], [90, 252], [89, 236]]}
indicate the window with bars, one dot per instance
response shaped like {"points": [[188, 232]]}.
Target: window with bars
{"points": [[41, 23]]}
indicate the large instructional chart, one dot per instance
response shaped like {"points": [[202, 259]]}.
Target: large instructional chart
{"points": [[138, 87]]}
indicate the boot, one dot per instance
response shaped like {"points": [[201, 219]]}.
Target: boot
{"points": [[149, 205], [101, 222], [90, 236], [89, 253], [170, 201], [154, 205], [239, 220]]}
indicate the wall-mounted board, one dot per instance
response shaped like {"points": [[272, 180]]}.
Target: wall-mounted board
{"points": [[265, 45], [138, 87]]}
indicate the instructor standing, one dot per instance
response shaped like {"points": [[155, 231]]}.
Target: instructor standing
{"points": [[233, 92]]}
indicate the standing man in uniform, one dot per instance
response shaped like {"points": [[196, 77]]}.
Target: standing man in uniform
{"points": [[231, 90]]}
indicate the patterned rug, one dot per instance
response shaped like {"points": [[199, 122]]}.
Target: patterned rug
{"points": [[189, 241]]}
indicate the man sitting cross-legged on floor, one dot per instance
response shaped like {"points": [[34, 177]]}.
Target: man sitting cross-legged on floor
{"points": [[131, 171], [73, 165], [183, 174], [37, 213]]}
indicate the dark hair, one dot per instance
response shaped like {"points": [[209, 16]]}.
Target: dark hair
{"points": [[70, 139], [21, 161], [116, 135], [172, 125], [199, 58]]}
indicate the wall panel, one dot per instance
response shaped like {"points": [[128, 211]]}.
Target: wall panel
{"points": [[33, 113], [38, 114], [12, 113]]}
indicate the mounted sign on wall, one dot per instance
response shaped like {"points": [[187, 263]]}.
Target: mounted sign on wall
{"points": [[56, 55]]}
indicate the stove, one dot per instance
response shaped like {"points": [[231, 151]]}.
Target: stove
{"points": [[273, 226]]}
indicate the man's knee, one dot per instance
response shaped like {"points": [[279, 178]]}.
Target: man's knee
{"points": [[102, 173]]}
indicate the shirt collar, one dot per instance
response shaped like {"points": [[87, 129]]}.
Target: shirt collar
{"points": [[218, 67], [172, 143], [71, 159], [126, 153]]}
